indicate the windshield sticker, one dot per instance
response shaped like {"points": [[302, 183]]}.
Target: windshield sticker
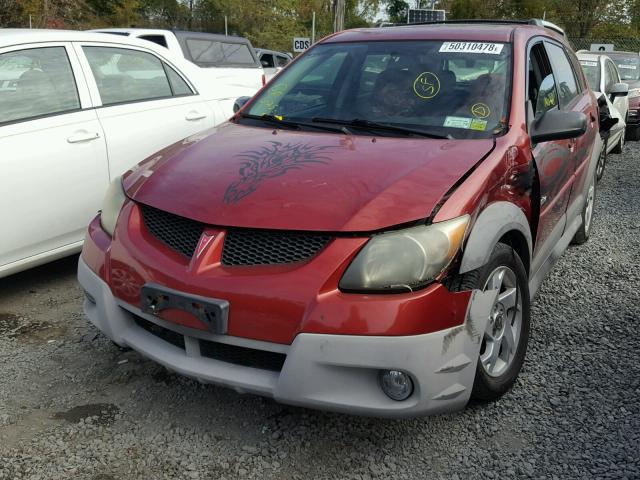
{"points": [[471, 47], [457, 122], [271, 161], [629, 67], [585, 63], [480, 110], [477, 124], [426, 85]]}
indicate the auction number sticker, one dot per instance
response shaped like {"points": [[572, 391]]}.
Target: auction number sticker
{"points": [[628, 67], [588, 64], [471, 47]]}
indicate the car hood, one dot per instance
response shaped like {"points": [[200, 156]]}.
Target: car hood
{"points": [[241, 176]]}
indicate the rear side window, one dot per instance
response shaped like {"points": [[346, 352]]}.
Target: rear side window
{"points": [[157, 39], [206, 52], [282, 60], [564, 75], [36, 82], [124, 75]]}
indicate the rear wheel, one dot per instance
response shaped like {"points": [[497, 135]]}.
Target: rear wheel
{"points": [[504, 341], [583, 233], [602, 161]]}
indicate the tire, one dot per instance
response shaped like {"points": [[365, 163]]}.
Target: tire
{"points": [[619, 146], [583, 233], [491, 384], [602, 162]]}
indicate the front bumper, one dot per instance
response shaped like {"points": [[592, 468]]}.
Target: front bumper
{"points": [[330, 372]]}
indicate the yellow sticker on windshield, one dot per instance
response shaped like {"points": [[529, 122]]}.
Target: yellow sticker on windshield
{"points": [[480, 110], [477, 124], [426, 85]]}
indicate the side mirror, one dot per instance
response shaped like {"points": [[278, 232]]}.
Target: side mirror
{"points": [[619, 90], [265, 64], [558, 125], [239, 103]]}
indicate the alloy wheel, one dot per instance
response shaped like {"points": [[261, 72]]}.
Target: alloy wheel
{"points": [[502, 334]]}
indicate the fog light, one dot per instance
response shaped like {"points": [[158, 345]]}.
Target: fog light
{"points": [[395, 384]]}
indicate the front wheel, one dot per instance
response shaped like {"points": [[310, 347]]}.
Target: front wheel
{"points": [[505, 338], [602, 161]]}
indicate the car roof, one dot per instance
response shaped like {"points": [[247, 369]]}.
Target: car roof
{"points": [[489, 32], [18, 36]]}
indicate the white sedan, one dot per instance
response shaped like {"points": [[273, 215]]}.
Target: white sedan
{"points": [[604, 79], [76, 110]]}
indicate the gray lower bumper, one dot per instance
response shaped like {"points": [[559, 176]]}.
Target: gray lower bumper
{"points": [[330, 372]]}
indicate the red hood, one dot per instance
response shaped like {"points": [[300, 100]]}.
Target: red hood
{"points": [[243, 176]]}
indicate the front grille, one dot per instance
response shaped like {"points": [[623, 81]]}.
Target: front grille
{"points": [[247, 357], [167, 335], [257, 247], [179, 233]]}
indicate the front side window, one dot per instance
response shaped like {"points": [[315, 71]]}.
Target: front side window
{"points": [[628, 66], [124, 75], [282, 60], [452, 89], [36, 82], [564, 75], [591, 69], [266, 60]]}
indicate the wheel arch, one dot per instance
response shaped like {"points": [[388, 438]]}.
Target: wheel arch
{"points": [[500, 222]]}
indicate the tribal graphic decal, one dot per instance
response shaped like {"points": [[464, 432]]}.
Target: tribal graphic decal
{"points": [[272, 161]]}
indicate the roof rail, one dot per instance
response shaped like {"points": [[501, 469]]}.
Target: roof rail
{"points": [[533, 21]]}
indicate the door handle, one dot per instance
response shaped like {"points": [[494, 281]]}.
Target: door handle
{"points": [[194, 116], [83, 136]]}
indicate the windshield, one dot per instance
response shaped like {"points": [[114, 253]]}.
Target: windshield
{"points": [[453, 89], [628, 66], [592, 72]]}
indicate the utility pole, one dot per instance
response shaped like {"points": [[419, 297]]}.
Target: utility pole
{"points": [[338, 15], [313, 28], [226, 26]]}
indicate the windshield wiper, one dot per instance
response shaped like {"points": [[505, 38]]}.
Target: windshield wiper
{"points": [[272, 119], [369, 125]]}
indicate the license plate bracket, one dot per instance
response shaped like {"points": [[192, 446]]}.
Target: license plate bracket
{"points": [[213, 312]]}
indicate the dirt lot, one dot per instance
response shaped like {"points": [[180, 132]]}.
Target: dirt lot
{"points": [[72, 405]]}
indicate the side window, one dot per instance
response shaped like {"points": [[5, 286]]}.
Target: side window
{"points": [[179, 87], [282, 60], [266, 60], [542, 91], [124, 75], [614, 72], [157, 39], [564, 75], [609, 78], [36, 82]]}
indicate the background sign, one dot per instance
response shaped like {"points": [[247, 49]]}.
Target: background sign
{"points": [[601, 47], [300, 44]]}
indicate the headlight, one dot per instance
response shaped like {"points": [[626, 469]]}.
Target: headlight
{"points": [[111, 205], [635, 92], [406, 258]]}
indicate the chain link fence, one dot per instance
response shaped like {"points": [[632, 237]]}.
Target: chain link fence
{"points": [[628, 44]]}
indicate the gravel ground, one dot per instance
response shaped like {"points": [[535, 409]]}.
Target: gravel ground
{"points": [[73, 406]]}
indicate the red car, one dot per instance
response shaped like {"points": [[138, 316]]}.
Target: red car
{"points": [[366, 234]]}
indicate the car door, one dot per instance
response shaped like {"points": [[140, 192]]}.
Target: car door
{"points": [[573, 94], [552, 159], [145, 103], [54, 162]]}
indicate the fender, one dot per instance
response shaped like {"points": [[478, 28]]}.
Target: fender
{"points": [[494, 221]]}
